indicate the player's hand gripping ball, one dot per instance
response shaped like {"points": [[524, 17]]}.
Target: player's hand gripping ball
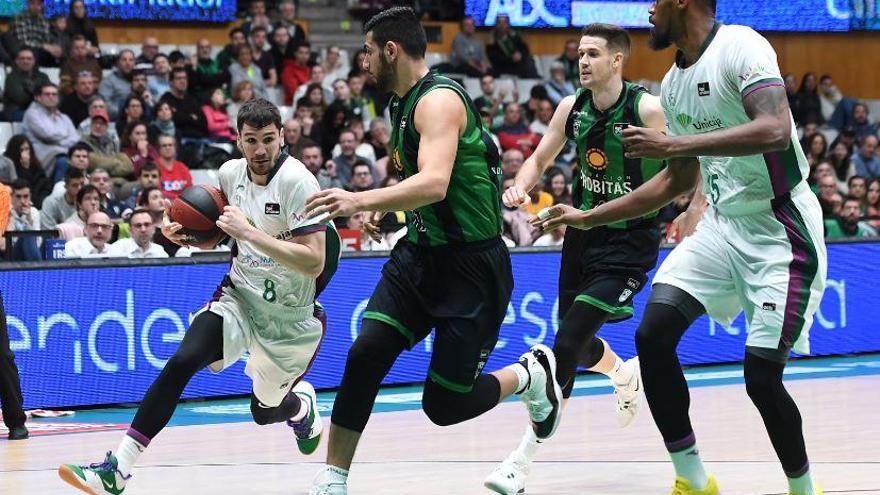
{"points": [[197, 210]]}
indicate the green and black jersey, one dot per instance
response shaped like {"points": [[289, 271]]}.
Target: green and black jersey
{"points": [[604, 172], [471, 211]]}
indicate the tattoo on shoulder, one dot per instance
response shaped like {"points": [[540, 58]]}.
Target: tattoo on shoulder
{"points": [[771, 100]]}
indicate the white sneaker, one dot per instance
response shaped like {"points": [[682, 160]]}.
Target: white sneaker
{"points": [[629, 395], [326, 484], [509, 477], [542, 395], [307, 430]]}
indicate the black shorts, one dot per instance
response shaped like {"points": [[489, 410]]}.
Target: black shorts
{"points": [[606, 268], [462, 291]]}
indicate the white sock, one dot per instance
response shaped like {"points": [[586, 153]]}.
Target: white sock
{"points": [[528, 446], [332, 475], [127, 454], [688, 465], [303, 410], [522, 375]]}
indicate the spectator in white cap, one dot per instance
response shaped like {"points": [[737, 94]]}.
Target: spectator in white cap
{"points": [[558, 87]]}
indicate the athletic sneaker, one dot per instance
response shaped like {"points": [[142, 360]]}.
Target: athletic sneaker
{"points": [[326, 484], [683, 487], [509, 477], [308, 430], [816, 489], [542, 394], [629, 395], [101, 478]]}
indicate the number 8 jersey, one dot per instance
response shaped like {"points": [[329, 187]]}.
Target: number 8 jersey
{"points": [[708, 96]]}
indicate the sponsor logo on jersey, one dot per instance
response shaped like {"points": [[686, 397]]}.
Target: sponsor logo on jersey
{"points": [[624, 295], [576, 124], [597, 159], [395, 160], [703, 89], [632, 283], [403, 123], [273, 209], [606, 187], [684, 119], [708, 124], [619, 127], [768, 306]]}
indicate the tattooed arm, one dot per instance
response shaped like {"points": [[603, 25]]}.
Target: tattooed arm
{"points": [[769, 130]]}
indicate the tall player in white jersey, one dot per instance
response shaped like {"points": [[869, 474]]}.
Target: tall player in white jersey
{"points": [[265, 306], [759, 246]]}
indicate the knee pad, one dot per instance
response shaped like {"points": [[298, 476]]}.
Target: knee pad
{"points": [[262, 415], [438, 404], [763, 379]]}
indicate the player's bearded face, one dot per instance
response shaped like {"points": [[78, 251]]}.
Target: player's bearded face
{"points": [[660, 30], [384, 73], [261, 148]]}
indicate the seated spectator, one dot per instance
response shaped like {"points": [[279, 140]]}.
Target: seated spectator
{"points": [[132, 113], [509, 53], [96, 105], [361, 177], [511, 161], [815, 148], [839, 158], [287, 22], [20, 163], [159, 82], [294, 142], [558, 87], [237, 39], [542, 118], [356, 223], [310, 129], [487, 117], [20, 86], [262, 58], [118, 84], [110, 205], [819, 171], [79, 61], [78, 157], [257, 17], [557, 186], [363, 149], [468, 53], [189, 120], [177, 60], [24, 217], [78, 24], [516, 222], [847, 137], [827, 190], [314, 99], [334, 65], [76, 104], [363, 105], [317, 77], [140, 244], [50, 132], [570, 60], [163, 122], [538, 199], [140, 89], [357, 64], [97, 231], [282, 49], [174, 174], [241, 93], [208, 74], [537, 94], [866, 162], [313, 160], [105, 151], [379, 138], [862, 125], [152, 199], [857, 187], [88, 201], [31, 28], [489, 99], [552, 238], [220, 128], [348, 157], [148, 176], [514, 134], [809, 104], [149, 50], [296, 71], [244, 69], [848, 224], [872, 203], [58, 207], [829, 97]]}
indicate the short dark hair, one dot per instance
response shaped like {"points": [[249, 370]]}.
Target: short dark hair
{"points": [[73, 173], [178, 70], [42, 87], [259, 113], [77, 147], [86, 189], [402, 26], [361, 163], [855, 178], [19, 184], [849, 198], [138, 72], [77, 37], [149, 167], [24, 49], [257, 29], [138, 211], [176, 56], [615, 36], [144, 197], [236, 30]]}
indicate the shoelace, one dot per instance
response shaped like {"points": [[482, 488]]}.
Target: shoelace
{"points": [[106, 466], [302, 429]]}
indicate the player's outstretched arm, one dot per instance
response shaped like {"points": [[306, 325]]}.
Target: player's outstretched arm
{"points": [[543, 157], [679, 176], [440, 119]]}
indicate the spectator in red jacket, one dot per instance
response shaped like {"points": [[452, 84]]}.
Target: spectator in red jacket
{"points": [[296, 71], [136, 145], [514, 133], [219, 126], [175, 176]]}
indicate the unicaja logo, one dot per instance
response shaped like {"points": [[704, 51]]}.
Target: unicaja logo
{"points": [[523, 13], [683, 119]]}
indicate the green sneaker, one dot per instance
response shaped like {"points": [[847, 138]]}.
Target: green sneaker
{"points": [[101, 478], [308, 430]]}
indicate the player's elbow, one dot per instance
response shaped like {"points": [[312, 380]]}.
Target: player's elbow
{"points": [[436, 192], [778, 136]]}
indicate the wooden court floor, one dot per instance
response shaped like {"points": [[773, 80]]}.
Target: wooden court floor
{"points": [[402, 453]]}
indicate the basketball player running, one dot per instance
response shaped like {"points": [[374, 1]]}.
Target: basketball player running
{"points": [[265, 305], [601, 270], [759, 247], [452, 272]]}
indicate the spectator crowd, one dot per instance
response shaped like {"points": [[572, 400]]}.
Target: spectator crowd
{"points": [[98, 153]]}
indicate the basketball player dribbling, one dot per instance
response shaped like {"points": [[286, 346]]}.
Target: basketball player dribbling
{"points": [[759, 247], [265, 308]]}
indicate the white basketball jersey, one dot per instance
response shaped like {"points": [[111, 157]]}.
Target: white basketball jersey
{"points": [[708, 96], [277, 209]]}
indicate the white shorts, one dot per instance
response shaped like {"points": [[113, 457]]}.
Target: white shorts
{"points": [[771, 264], [281, 341]]}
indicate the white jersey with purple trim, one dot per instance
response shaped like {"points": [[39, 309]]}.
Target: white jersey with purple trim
{"points": [[277, 209], [708, 96]]}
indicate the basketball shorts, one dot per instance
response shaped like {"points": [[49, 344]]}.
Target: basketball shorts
{"points": [[606, 268], [461, 291], [281, 341], [771, 264]]}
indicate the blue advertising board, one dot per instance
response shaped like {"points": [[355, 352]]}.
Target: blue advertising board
{"points": [[793, 15], [87, 336], [150, 10], [9, 8]]}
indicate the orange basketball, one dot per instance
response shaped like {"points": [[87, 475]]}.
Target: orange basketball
{"points": [[197, 209]]}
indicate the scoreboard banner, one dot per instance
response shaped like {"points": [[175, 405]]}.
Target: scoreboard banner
{"points": [[149, 10], [100, 335]]}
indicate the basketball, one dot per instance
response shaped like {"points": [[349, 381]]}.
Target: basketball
{"points": [[197, 209]]}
